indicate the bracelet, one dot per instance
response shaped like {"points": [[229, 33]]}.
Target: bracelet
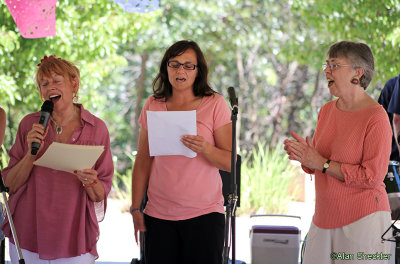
{"points": [[90, 185], [132, 210]]}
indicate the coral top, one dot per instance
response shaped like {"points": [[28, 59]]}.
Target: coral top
{"points": [[180, 187], [361, 142], [52, 213]]}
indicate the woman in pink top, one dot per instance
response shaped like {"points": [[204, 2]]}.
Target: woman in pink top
{"points": [[184, 216], [56, 213], [349, 156]]}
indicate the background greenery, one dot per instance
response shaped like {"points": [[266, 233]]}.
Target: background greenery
{"points": [[271, 52]]}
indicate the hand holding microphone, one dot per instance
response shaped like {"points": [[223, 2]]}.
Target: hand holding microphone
{"points": [[36, 135]]}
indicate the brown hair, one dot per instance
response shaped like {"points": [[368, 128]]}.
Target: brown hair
{"points": [[162, 88], [360, 56]]}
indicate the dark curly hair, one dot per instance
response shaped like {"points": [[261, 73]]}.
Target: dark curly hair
{"points": [[162, 88]]}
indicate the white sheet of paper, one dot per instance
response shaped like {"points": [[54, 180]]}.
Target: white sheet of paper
{"points": [[68, 157], [165, 129]]}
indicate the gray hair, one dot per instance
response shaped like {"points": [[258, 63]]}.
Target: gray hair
{"points": [[360, 56]]}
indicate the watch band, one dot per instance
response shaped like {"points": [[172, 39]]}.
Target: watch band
{"points": [[326, 166]]}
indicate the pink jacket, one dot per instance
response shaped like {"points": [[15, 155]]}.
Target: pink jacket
{"points": [[52, 213]]}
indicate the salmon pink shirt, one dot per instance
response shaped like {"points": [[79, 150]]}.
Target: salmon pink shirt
{"points": [[361, 142], [180, 187], [52, 213]]}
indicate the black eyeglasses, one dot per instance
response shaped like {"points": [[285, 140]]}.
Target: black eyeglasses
{"points": [[177, 64]]}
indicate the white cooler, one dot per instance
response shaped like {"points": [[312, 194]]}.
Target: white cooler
{"points": [[274, 244]]}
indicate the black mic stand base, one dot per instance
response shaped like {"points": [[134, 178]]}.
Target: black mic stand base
{"points": [[3, 190]]}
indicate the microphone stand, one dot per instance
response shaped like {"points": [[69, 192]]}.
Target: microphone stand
{"points": [[3, 190], [396, 236], [230, 223]]}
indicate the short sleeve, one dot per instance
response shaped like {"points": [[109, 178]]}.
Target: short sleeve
{"points": [[222, 113], [143, 116]]}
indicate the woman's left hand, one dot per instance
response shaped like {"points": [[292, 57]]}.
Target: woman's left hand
{"points": [[196, 143], [86, 176]]}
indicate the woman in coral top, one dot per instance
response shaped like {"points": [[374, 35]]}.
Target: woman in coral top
{"points": [[184, 216], [349, 156]]}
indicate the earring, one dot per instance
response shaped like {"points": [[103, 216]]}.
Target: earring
{"points": [[355, 80], [75, 98]]}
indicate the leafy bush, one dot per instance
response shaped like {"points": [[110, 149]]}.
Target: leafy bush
{"points": [[122, 184], [266, 181]]}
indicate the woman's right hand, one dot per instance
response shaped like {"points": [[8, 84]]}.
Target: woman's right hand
{"points": [[138, 223], [36, 134]]}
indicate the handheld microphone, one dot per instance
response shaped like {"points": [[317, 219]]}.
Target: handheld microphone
{"points": [[232, 97], [47, 109]]}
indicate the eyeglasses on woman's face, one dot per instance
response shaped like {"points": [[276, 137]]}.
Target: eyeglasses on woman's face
{"points": [[333, 66], [176, 64]]}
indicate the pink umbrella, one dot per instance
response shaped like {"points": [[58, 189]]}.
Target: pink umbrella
{"points": [[34, 18]]}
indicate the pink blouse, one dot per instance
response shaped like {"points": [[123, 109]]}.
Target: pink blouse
{"points": [[52, 213], [181, 187]]}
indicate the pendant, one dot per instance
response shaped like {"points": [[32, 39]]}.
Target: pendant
{"points": [[58, 129]]}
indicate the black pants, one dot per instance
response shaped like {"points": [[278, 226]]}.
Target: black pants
{"points": [[197, 240]]}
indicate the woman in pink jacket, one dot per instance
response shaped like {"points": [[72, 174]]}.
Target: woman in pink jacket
{"points": [[56, 213]]}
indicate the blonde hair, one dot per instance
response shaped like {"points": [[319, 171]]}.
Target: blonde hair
{"points": [[57, 65]]}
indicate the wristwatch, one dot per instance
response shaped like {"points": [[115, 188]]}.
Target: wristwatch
{"points": [[326, 166]]}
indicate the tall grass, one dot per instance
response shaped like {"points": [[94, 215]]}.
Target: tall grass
{"points": [[266, 181], [122, 184]]}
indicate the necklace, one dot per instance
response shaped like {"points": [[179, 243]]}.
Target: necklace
{"points": [[59, 128]]}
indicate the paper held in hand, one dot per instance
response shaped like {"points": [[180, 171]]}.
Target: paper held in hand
{"points": [[68, 157], [165, 129]]}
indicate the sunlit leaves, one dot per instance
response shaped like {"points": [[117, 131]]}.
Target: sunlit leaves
{"points": [[373, 22]]}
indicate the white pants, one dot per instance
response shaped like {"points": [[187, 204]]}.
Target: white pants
{"points": [[33, 258], [356, 243]]}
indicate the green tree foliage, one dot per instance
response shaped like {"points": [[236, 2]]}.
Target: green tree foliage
{"points": [[88, 33], [375, 22]]}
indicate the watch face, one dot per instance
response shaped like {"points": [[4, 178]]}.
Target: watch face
{"points": [[326, 165]]}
